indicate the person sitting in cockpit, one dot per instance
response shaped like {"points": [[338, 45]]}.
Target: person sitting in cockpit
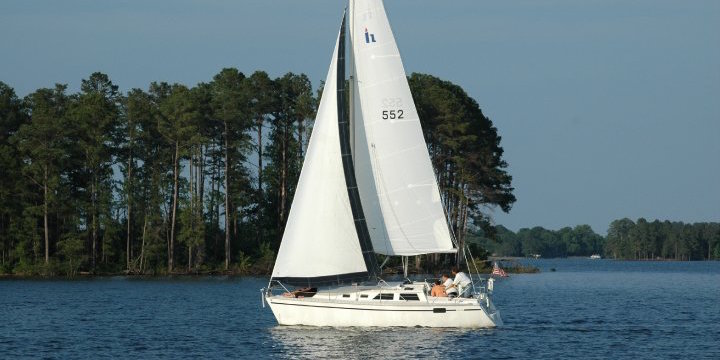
{"points": [[302, 292], [438, 290], [462, 283], [450, 290]]}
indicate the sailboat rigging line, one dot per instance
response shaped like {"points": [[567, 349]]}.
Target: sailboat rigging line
{"points": [[465, 254], [447, 218], [348, 163], [453, 238], [387, 257]]}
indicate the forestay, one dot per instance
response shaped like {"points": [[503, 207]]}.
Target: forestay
{"points": [[398, 188], [320, 243]]}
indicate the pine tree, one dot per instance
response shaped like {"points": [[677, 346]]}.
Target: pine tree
{"points": [[94, 120], [262, 101], [284, 148], [230, 102], [176, 123], [465, 151], [12, 116], [41, 144]]}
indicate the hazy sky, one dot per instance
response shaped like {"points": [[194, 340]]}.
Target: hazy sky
{"points": [[606, 108]]}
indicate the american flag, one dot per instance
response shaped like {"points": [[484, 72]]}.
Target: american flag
{"points": [[498, 271]]}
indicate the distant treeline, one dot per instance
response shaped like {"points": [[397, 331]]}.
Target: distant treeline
{"points": [[578, 241], [196, 179], [641, 240], [663, 239]]}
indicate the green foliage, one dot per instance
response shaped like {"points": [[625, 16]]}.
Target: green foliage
{"points": [[243, 263], [94, 116], [90, 178], [266, 257], [192, 231], [578, 241], [465, 150], [666, 240], [95, 173], [27, 236], [285, 149], [72, 250], [12, 117], [641, 240]]}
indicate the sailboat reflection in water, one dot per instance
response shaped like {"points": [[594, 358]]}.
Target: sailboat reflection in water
{"points": [[367, 186], [375, 342]]}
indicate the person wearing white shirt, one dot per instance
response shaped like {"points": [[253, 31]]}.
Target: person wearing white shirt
{"points": [[450, 290], [462, 282]]}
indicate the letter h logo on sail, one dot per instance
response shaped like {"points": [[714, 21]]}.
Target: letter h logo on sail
{"points": [[369, 37]]}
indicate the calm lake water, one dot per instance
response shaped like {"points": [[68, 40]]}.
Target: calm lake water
{"points": [[586, 309]]}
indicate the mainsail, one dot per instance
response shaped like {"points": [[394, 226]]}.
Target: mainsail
{"points": [[320, 244], [397, 184]]}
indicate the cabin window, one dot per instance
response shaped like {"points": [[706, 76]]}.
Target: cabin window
{"points": [[409, 297], [363, 296], [346, 295], [383, 297]]}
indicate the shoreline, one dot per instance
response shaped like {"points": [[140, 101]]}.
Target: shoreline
{"points": [[509, 268], [516, 258], [218, 274]]}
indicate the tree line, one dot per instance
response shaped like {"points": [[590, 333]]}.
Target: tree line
{"points": [[195, 179], [580, 240], [663, 239], [640, 240]]}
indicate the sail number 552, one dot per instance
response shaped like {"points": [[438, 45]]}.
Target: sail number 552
{"points": [[392, 114]]}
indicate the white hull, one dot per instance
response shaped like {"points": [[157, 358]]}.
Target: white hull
{"points": [[428, 312]]}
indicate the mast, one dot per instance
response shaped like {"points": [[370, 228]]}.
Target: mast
{"points": [[348, 165], [351, 82]]}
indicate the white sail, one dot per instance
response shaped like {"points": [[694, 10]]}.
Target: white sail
{"points": [[399, 192], [320, 237]]}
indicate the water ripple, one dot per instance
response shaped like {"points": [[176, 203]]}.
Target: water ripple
{"points": [[615, 310]]}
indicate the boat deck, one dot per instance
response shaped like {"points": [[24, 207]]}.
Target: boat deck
{"points": [[399, 295]]}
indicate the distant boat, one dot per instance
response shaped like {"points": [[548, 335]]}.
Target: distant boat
{"points": [[595, 256], [497, 270], [367, 186]]}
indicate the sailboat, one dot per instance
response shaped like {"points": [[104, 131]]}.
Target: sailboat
{"points": [[367, 186]]}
